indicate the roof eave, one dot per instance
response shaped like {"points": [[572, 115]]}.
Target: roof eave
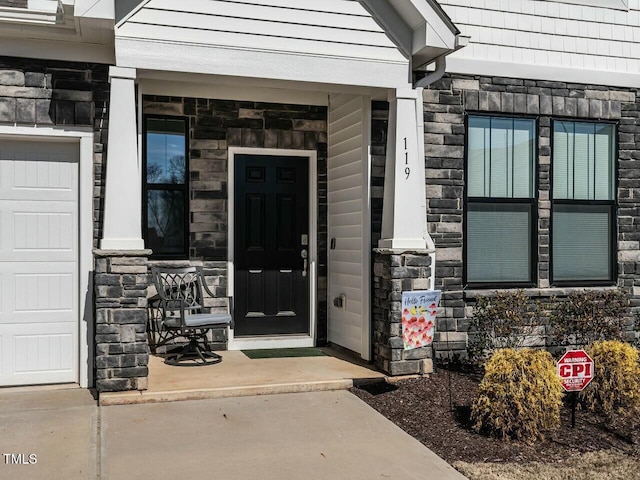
{"points": [[421, 29]]}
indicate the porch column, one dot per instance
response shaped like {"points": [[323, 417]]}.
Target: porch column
{"points": [[404, 211], [123, 191]]}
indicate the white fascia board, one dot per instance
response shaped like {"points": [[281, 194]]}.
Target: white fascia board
{"points": [[218, 91], [540, 72], [181, 84], [431, 34], [174, 57], [436, 32], [56, 50]]}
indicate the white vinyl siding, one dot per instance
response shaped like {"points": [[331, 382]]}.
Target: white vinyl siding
{"points": [[349, 223], [341, 28], [534, 33]]}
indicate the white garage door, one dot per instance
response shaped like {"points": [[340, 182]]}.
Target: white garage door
{"points": [[38, 262]]}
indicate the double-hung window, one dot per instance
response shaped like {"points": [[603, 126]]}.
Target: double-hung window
{"points": [[583, 203], [165, 202], [500, 194]]}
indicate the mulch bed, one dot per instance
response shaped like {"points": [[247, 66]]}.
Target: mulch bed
{"points": [[421, 407]]}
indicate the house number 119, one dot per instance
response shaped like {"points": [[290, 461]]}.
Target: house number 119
{"points": [[407, 170]]}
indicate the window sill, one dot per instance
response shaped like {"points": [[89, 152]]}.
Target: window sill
{"points": [[533, 292]]}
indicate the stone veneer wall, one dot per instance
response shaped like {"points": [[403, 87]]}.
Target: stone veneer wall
{"points": [[393, 274], [445, 105], [49, 93], [122, 349], [215, 125]]}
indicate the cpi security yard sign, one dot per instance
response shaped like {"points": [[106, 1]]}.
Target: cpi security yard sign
{"points": [[575, 369]]}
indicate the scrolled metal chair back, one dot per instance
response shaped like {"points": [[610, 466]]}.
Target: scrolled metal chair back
{"points": [[179, 286]]}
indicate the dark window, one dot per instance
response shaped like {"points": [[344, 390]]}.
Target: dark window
{"points": [[500, 190], [166, 226], [583, 202]]}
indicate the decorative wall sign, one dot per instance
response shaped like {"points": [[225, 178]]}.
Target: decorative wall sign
{"points": [[419, 317]]}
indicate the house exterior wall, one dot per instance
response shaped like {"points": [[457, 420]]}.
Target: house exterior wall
{"points": [[46, 93], [57, 95], [215, 125], [349, 217], [548, 38], [338, 28], [445, 105]]}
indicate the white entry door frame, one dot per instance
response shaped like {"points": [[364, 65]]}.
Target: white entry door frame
{"points": [[284, 341]]}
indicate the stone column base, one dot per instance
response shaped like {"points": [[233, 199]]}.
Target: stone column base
{"points": [[393, 274], [122, 348]]}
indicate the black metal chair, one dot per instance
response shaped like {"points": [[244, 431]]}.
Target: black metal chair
{"points": [[182, 310]]}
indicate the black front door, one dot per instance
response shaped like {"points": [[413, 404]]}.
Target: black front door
{"points": [[271, 286]]}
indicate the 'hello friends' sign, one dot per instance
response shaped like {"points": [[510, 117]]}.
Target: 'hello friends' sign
{"points": [[419, 317]]}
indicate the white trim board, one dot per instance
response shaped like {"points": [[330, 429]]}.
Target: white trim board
{"points": [[175, 57], [284, 341], [541, 72], [229, 92], [85, 230], [183, 84]]}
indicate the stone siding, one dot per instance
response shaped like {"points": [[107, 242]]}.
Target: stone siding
{"points": [[393, 274], [122, 349], [215, 125], [445, 105], [47, 93]]}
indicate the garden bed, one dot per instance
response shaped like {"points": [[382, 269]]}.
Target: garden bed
{"points": [[435, 410]]}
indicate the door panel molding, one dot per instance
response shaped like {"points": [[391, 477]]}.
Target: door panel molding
{"points": [[284, 340]]}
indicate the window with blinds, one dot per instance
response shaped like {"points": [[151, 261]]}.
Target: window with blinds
{"points": [[583, 202], [500, 194]]}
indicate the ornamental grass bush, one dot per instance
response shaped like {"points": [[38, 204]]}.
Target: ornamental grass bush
{"points": [[615, 388], [519, 396]]}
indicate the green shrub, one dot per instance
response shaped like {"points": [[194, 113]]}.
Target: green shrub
{"points": [[590, 315], [519, 397], [615, 388], [504, 320]]}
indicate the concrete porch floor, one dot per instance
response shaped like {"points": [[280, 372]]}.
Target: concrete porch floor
{"points": [[238, 375]]}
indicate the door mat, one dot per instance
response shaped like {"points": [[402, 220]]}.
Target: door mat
{"points": [[284, 353]]}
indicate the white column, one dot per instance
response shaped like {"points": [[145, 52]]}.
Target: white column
{"points": [[404, 210], [123, 191]]}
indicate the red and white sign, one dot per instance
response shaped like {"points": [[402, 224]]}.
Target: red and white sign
{"points": [[575, 369]]}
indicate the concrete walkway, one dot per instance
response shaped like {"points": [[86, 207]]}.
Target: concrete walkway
{"points": [[315, 435]]}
